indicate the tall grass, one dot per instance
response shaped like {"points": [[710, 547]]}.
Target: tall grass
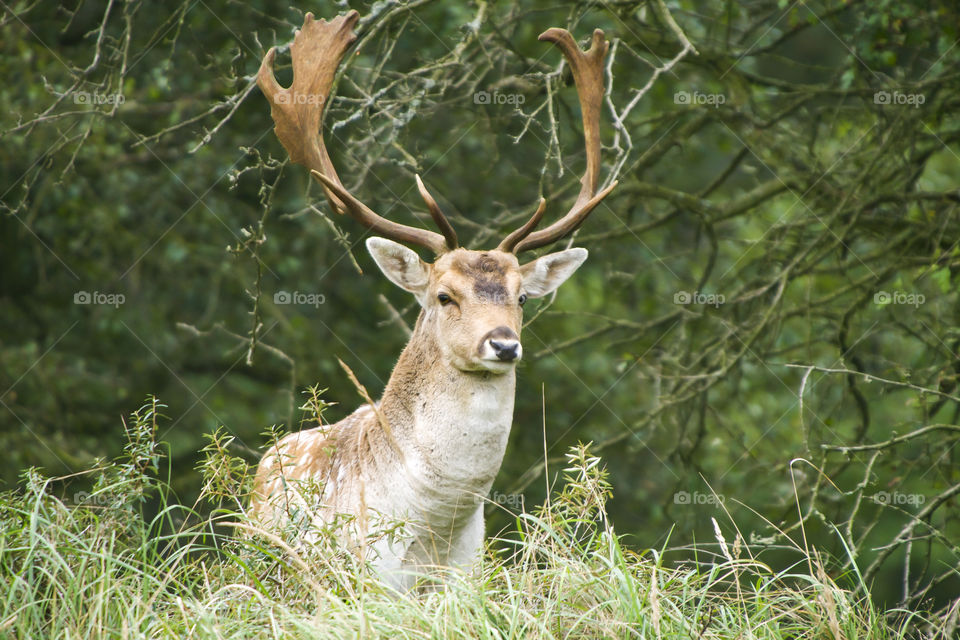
{"points": [[104, 569]]}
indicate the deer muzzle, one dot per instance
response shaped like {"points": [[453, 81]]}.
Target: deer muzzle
{"points": [[501, 344]]}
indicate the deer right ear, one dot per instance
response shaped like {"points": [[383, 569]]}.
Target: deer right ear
{"points": [[546, 273], [401, 265]]}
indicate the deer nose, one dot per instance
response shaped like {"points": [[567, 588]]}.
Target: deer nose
{"points": [[504, 343], [506, 350]]}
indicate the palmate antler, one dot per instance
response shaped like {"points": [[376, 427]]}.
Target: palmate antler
{"points": [[317, 49], [587, 71]]}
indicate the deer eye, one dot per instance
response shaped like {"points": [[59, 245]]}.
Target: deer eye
{"points": [[444, 298], [523, 298]]}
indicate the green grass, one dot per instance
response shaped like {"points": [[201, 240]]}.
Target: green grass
{"points": [[102, 570]]}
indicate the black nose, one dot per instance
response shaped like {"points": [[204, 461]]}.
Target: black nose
{"points": [[505, 350], [504, 343]]}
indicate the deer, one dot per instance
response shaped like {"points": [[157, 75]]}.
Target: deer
{"points": [[428, 451]]}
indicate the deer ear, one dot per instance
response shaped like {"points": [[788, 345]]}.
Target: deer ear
{"points": [[401, 265], [546, 273]]}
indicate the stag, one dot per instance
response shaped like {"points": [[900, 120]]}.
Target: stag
{"points": [[427, 452]]}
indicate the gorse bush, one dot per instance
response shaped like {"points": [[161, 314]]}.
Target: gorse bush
{"points": [[125, 560]]}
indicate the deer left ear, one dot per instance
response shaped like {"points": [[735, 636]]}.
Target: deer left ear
{"points": [[401, 265], [546, 273]]}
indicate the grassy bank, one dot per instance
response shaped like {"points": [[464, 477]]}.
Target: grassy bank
{"points": [[96, 565]]}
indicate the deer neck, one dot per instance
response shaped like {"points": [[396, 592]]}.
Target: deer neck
{"points": [[452, 425]]}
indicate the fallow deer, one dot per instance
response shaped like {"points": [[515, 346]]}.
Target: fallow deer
{"points": [[428, 451]]}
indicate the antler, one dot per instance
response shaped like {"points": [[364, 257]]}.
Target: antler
{"points": [[509, 243], [587, 71], [317, 49]]}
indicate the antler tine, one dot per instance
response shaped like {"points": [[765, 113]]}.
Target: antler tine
{"points": [[317, 49], [587, 68], [388, 228], [510, 242], [438, 218]]}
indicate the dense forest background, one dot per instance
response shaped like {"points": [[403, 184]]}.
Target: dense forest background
{"points": [[765, 332]]}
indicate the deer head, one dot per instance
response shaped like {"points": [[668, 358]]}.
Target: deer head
{"points": [[472, 300]]}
